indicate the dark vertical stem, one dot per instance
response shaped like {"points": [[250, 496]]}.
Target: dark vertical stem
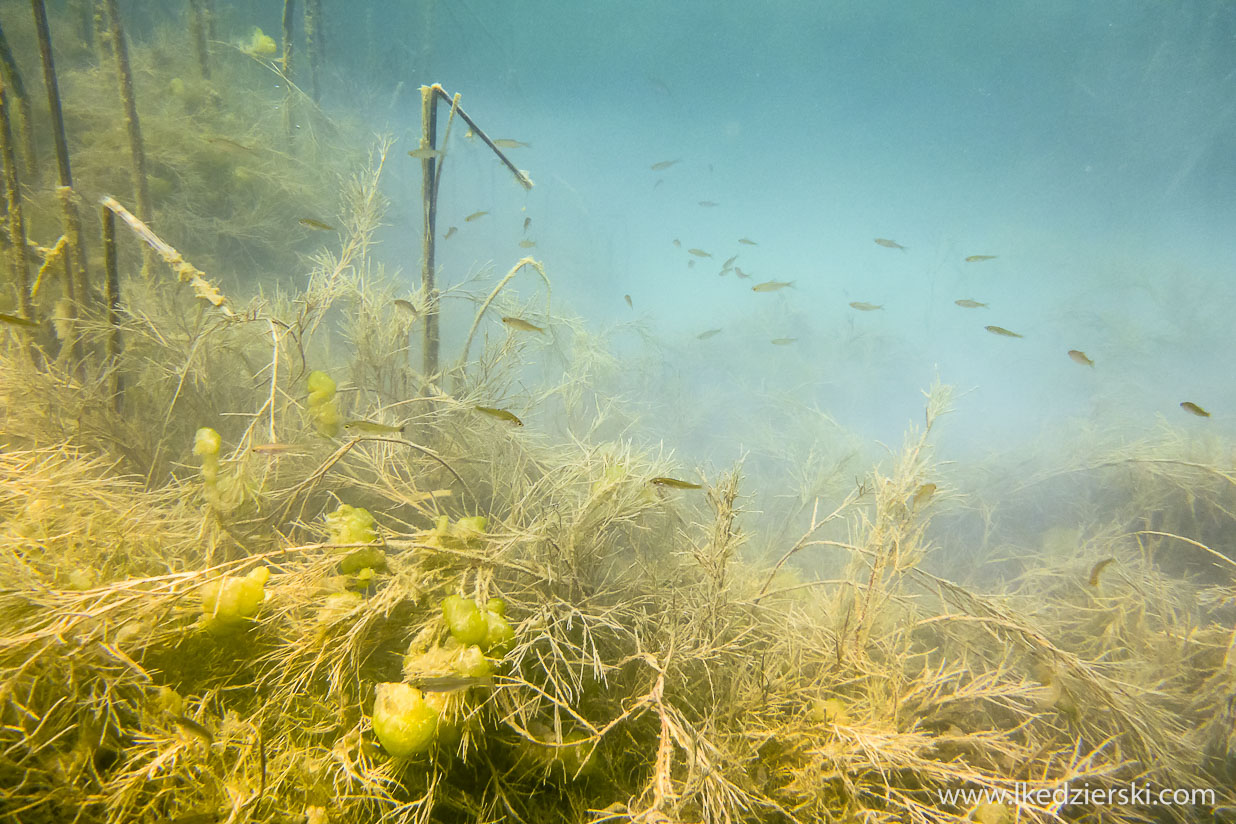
{"points": [[289, 10], [321, 38], [197, 27], [114, 343], [312, 21], [17, 223], [208, 11], [74, 257], [53, 91], [124, 81], [99, 21], [429, 136], [12, 76]]}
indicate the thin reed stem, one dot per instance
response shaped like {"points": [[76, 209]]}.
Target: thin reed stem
{"points": [[17, 223], [17, 92], [76, 278], [114, 341], [124, 81]]}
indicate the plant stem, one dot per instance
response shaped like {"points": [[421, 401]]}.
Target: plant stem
{"points": [[17, 223], [75, 257], [124, 80], [17, 88], [429, 135]]}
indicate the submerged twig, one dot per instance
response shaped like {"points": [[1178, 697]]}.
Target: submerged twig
{"points": [[17, 222], [124, 82], [114, 342], [463, 358], [429, 204], [187, 272], [201, 45], [12, 75], [76, 281]]}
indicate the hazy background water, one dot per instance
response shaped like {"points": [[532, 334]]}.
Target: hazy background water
{"points": [[1090, 146]]}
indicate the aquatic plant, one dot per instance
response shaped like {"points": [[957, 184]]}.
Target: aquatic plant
{"points": [[521, 623]]}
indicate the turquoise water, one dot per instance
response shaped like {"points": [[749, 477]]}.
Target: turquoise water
{"points": [[1089, 147]]}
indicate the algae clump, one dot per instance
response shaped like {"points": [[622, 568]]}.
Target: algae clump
{"points": [[356, 525], [464, 619], [403, 720], [231, 601], [206, 444], [323, 405], [351, 525]]}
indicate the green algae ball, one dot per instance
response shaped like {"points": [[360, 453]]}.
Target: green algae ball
{"points": [[370, 558], [323, 408], [351, 525], [468, 529], [403, 721], [498, 633], [471, 663], [464, 619], [231, 601], [321, 387], [207, 442]]}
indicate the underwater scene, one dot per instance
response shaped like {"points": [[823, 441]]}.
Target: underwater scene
{"points": [[656, 412]]}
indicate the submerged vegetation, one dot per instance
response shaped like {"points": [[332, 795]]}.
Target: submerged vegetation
{"points": [[259, 566]]}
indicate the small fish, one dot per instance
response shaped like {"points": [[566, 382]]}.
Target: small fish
{"points": [[521, 324], [1194, 409], [708, 334], [690, 264], [424, 153], [507, 143], [1080, 357], [741, 273], [699, 253], [274, 448], [966, 303], [783, 341], [447, 683], [674, 483], [980, 258], [527, 244], [229, 144], [922, 495], [865, 307], [527, 223], [193, 728], [16, 321], [316, 224], [889, 244], [450, 232], [729, 262], [771, 285], [405, 305], [1000, 330], [500, 414], [475, 216], [746, 241], [627, 298], [708, 204], [373, 428], [1097, 570], [677, 243], [664, 164]]}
